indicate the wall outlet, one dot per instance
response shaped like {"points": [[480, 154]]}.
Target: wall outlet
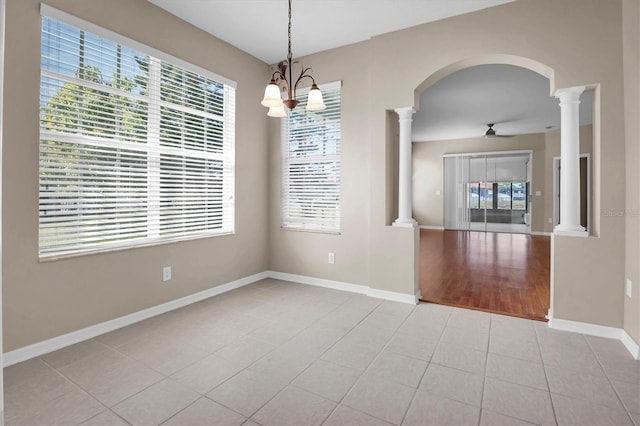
{"points": [[628, 288], [438, 192], [331, 258], [166, 273], [550, 220], [538, 193]]}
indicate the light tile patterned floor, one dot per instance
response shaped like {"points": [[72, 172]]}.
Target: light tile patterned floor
{"points": [[279, 353]]}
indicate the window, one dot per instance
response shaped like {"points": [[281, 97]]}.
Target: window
{"points": [[504, 195], [518, 196], [512, 195], [311, 165], [480, 195], [135, 148]]}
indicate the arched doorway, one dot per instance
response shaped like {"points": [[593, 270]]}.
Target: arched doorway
{"points": [[504, 277]]}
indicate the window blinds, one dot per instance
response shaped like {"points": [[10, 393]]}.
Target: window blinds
{"points": [[311, 165], [134, 149]]}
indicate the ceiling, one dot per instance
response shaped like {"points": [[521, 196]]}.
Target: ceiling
{"points": [[516, 99], [259, 27], [458, 106]]}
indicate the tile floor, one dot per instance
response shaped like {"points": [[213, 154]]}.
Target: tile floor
{"points": [[279, 353]]}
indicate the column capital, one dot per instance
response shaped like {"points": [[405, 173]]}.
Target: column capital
{"points": [[570, 93], [405, 112]]}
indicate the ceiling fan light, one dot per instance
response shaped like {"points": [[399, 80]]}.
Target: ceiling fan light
{"points": [[491, 133], [277, 112], [314, 99], [272, 98]]}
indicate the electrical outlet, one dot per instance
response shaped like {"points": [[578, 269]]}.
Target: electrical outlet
{"points": [[166, 273], [628, 288], [331, 258], [550, 220]]}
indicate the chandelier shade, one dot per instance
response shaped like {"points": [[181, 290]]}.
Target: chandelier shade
{"points": [[277, 112], [282, 82], [272, 97], [314, 99]]}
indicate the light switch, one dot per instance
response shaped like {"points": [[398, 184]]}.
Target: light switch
{"points": [[438, 192], [538, 193]]}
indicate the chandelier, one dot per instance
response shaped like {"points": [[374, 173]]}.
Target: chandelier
{"points": [[272, 98]]}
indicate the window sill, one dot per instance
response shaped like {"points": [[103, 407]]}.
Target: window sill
{"points": [[311, 231], [69, 255]]}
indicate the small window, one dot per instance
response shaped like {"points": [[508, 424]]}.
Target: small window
{"points": [[518, 196], [474, 195], [504, 196], [486, 195], [311, 165]]}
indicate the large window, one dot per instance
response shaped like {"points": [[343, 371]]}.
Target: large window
{"points": [[135, 147], [311, 165]]}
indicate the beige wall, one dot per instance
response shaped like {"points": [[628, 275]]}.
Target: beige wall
{"points": [[305, 253], [428, 174], [384, 74], [44, 300], [631, 45]]}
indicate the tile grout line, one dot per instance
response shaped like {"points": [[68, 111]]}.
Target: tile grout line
{"points": [[415, 394], [484, 376], [293, 379], [362, 374], [546, 377], [85, 391], [597, 358]]}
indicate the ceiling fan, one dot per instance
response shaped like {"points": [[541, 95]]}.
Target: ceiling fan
{"points": [[491, 133]]}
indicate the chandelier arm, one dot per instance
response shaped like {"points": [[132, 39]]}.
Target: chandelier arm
{"points": [[287, 88], [304, 74], [276, 75], [285, 82]]}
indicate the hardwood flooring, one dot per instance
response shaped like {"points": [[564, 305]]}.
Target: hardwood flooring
{"points": [[500, 273]]}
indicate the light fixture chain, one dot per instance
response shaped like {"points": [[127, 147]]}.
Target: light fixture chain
{"points": [[289, 55]]}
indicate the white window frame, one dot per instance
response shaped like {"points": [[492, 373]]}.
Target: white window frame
{"points": [[296, 223], [153, 143]]}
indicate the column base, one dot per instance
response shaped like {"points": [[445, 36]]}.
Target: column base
{"points": [[405, 223], [570, 231]]}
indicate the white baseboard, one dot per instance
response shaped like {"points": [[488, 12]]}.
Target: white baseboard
{"points": [[59, 342], [585, 328], [411, 299], [319, 282], [630, 344], [438, 228], [599, 331], [353, 288]]}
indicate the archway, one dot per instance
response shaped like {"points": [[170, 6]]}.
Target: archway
{"points": [[496, 59]]}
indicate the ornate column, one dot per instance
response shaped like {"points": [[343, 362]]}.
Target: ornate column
{"points": [[570, 163], [405, 117]]}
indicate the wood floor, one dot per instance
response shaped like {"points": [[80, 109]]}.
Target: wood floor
{"points": [[501, 273]]}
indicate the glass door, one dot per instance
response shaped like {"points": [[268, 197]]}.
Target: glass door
{"points": [[487, 192]]}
